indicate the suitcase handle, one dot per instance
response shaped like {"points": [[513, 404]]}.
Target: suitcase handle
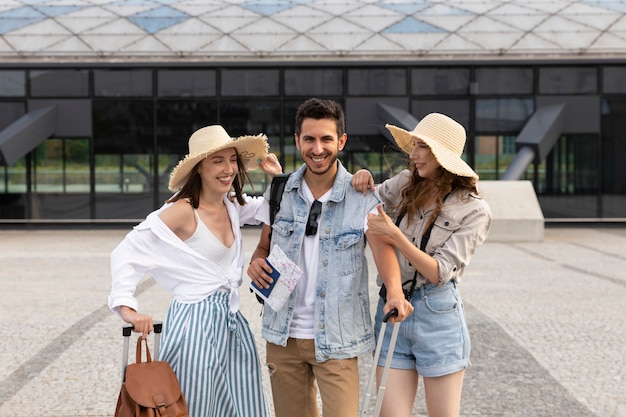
{"points": [[128, 328], [390, 314], [369, 391]]}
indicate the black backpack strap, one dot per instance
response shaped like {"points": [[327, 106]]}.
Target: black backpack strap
{"points": [[276, 194]]}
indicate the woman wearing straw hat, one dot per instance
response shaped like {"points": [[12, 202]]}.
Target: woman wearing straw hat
{"points": [[435, 219], [192, 246]]}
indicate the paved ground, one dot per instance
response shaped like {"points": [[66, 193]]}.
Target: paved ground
{"points": [[547, 322]]}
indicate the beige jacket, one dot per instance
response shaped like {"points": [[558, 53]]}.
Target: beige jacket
{"points": [[461, 226]]}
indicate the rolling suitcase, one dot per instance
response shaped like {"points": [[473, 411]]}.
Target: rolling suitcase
{"points": [[127, 329], [371, 385]]}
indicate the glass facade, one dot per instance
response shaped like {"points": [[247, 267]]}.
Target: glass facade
{"points": [[59, 83], [116, 165]]}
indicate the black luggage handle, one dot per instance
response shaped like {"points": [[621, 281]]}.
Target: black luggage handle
{"points": [[128, 328], [390, 314]]}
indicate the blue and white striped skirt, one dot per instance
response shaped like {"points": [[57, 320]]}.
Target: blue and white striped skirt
{"points": [[213, 353]]}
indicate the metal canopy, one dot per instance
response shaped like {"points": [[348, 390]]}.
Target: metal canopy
{"points": [[23, 135], [536, 139]]}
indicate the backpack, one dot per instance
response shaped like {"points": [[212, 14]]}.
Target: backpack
{"points": [[150, 389], [276, 195]]}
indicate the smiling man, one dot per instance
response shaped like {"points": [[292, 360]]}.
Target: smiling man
{"points": [[326, 323]]}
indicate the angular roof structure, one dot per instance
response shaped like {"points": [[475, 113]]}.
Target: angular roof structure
{"points": [[306, 30]]}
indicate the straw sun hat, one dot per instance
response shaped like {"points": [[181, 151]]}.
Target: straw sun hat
{"points": [[444, 136], [211, 139]]}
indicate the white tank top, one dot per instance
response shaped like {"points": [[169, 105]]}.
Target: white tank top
{"points": [[206, 244]]}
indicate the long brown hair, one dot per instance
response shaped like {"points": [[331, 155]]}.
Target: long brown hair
{"points": [[193, 186], [419, 190]]}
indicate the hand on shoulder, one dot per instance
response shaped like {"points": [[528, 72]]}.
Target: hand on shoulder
{"points": [[363, 181]]}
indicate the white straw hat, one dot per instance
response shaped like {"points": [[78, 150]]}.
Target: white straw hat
{"points": [[445, 137], [211, 139]]}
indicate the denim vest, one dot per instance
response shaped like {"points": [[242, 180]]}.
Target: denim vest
{"points": [[343, 324]]}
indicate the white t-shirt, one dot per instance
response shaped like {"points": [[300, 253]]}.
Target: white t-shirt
{"points": [[304, 312]]}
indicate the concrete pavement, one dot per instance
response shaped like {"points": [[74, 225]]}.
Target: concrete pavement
{"points": [[547, 322]]}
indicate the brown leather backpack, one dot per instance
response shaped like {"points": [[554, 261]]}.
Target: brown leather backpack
{"points": [[150, 389]]}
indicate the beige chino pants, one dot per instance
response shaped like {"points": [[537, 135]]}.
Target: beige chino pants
{"points": [[294, 372]]}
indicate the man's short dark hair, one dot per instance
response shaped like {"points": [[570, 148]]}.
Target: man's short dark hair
{"points": [[315, 108]]}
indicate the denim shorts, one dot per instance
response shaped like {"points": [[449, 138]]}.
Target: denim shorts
{"points": [[434, 339]]}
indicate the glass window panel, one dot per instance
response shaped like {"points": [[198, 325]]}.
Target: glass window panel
{"points": [[61, 180], [571, 181], [485, 157], [48, 167], [377, 82], [61, 166], [16, 177], [459, 110], [384, 162], [500, 80], [12, 203], [251, 117], [123, 174], [128, 206], [568, 80], [178, 119], [614, 80], [440, 81], [124, 159], [123, 126], [12, 83], [122, 83], [313, 82], [249, 82], [502, 115], [61, 206], [10, 112], [613, 158], [59, 83], [493, 155], [166, 163], [77, 165], [187, 83], [109, 173]]}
